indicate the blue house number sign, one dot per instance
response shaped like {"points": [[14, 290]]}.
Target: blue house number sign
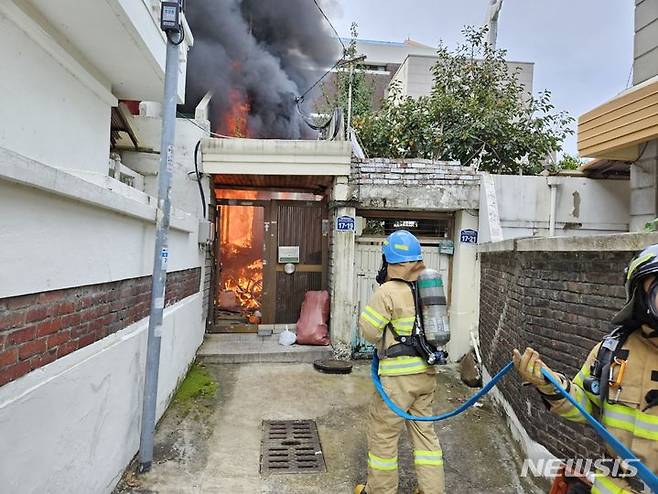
{"points": [[345, 224], [468, 236]]}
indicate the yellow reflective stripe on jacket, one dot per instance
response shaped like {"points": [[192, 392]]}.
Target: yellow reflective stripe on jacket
{"points": [[379, 463], [375, 318], [423, 457], [404, 325], [571, 413], [603, 485], [402, 366], [632, 420]]}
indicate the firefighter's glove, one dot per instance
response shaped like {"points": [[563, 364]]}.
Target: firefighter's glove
{"points": [[529, 367]]}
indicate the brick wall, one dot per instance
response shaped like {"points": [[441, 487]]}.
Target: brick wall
{"points": [[380, 171], [39, 328], [559, 303], [414, 185]]}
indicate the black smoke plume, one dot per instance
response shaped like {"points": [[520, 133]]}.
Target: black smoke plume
{"points": [[265, 51]]}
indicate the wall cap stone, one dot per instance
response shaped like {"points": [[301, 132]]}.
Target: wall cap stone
{"points": [[614, 242]]}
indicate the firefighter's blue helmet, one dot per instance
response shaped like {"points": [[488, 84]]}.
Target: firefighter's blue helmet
{"points": [[401, 246]]}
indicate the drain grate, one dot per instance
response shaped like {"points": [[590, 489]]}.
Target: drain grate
{"points": [[291, 446]]}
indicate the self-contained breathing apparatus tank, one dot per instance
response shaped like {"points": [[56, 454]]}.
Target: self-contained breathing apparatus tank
{"points": [[433, 308]]}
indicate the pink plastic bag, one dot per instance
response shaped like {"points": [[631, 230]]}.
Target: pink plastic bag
{"points": [[312, 326]]}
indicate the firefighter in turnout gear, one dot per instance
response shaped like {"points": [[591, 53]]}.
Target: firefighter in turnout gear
{"points": [[619, 381], [408, 380]]}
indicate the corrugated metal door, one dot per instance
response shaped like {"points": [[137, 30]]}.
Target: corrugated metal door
{"points": [[368, 260], [300, 224]]}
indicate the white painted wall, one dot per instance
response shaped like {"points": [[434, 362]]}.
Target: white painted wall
{"points": [[643, 188], [464, 294], [73, 425], [584, 206], [184, 189], [46, 113], [49, 242]]}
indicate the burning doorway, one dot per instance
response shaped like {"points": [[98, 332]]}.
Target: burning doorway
{"points": [[254, 228], [287, 184], [241, 242]]}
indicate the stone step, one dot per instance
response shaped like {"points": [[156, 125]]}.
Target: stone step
{"points": [[251, 348]]}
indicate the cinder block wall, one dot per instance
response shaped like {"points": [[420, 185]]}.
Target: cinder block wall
{"points": [[557, 298]]}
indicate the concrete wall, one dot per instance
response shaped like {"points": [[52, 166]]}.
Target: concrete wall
{"points": [[583, 206], [558, 296], [644, 180], [76, 244], [62, 231], [73, 425], [51, 241], [47, 113], [645, 54], [414, 185]]}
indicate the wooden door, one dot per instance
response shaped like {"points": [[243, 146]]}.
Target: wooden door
{"points": [[302, 224]]}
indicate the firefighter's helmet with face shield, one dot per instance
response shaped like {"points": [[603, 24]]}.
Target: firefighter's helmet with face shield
{"points": [[640, 303]]}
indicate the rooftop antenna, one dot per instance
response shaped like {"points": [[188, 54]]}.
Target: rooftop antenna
{"points": [[492, 21]]}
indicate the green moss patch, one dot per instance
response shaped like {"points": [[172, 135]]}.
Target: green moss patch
{"points": [[197, 384]]}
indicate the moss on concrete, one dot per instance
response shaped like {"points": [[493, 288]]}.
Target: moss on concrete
{"points": [[197, 384]]}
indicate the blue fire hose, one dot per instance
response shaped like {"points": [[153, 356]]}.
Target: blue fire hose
{"points": [[649, 478]]}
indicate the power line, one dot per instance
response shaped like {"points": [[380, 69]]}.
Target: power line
{"points": [[301, 98], [194, 122], [340, 40]]}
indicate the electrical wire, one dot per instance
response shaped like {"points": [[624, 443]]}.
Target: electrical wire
{"points": [[310, 124], [198, 178], [340, 40], [181, 37], [213, 134], [305, 93]]}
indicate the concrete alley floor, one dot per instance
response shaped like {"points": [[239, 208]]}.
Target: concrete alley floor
{"points": [[213, 444]]}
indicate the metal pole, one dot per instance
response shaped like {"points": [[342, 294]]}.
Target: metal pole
{"points": [[349, 103], [553, 210], [161, 254]]}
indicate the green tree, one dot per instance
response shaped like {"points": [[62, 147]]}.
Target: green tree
{"points": [[477, 112], [335, 93], [569, 162]]}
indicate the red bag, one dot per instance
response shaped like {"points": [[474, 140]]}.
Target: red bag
{"points": [[312, 326]]}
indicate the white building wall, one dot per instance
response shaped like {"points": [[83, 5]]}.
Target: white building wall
{"points": [[51, 242], [46, 112], [383, 52], [584, 206], [644, 186], [73, 425], [416, 78]]}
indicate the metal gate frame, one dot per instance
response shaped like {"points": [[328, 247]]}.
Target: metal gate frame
{"points": [[361, 348]]}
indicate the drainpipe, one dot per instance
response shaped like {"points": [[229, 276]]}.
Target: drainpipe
{"points": [[552, 185]]}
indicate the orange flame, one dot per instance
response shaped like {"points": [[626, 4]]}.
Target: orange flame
{"points": [[241, 233], [234, 121]]}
